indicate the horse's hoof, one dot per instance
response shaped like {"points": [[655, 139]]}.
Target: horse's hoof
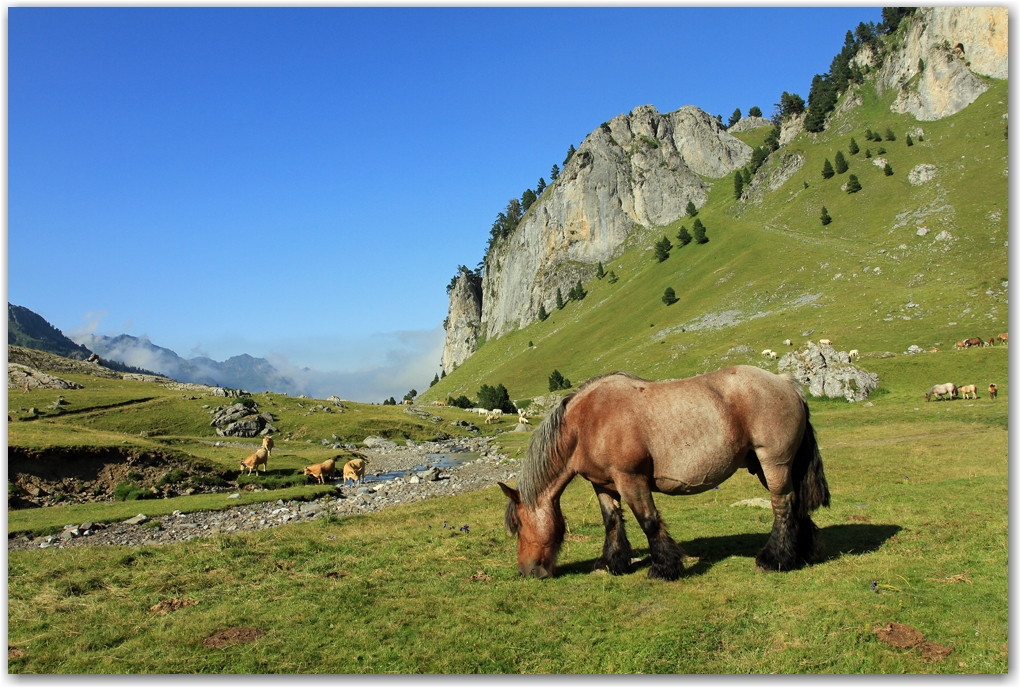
{"points": [[657, 572]]}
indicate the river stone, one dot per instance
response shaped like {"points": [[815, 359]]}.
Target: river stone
{"points": [[378, 442]]}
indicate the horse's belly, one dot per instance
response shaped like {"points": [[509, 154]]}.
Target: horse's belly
{"points": [[692, 477]]}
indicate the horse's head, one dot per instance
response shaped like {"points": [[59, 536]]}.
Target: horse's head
{"points": [[539, 533]]}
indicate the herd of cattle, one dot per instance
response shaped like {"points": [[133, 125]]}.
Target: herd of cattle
{"points": [[354, 469]]}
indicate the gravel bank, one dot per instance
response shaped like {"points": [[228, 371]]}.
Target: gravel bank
{"points": [[391, 480]]}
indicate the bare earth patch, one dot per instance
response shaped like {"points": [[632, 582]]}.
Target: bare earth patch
{"points": [[231, 636], [164, 607], [481, 576], [14, 654], [907, 637]]}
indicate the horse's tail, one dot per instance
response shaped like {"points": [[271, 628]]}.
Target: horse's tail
{"points": [[808, 474]]}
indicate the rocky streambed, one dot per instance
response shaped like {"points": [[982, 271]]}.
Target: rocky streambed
{"points": [[396, 475]]}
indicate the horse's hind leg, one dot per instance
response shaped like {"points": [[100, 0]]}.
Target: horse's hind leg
{"points": [[667, 556], [794, 540], [616, 550]]}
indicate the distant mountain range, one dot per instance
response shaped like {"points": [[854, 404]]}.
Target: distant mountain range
{"points": [[127, 353]]}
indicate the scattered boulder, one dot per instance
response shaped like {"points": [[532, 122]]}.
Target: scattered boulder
{"points": [[824, 371], [137, 520], [19, 375], [240, 420], [378, 442], [921, 174]]}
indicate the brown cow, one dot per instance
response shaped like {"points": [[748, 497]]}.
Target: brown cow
{"points": [[252, 462], [321, 471], [354, 470], [993, 391]]}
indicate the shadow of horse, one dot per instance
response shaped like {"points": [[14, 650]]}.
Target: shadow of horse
{"points": [[839, 541]]}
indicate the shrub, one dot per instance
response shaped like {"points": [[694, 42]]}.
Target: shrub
{"points": [[274, 480], [841, 165], [246, 401], [867, 152], [129, 491], [910, 141], [827, 171], [173, 477], [888, 170], [531, 343], [612, 277], [880, 150], [852, 184], [683, 236], [669, 296], [738, 185], [825, 216], [662, 249], [459, 402], [557, 381]]}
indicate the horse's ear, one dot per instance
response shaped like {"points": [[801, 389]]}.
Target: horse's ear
{"points": [[511, 494]]}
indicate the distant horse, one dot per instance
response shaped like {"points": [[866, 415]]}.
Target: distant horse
{"points": [[630, 437], [968, 390], [993, 391], [940, 390], [1003, 337], [973, 341]]}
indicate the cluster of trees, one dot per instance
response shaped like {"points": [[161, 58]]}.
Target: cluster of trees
{"points": [[474, 276], [825, 88], [663, 247], [489, 397], [557, 381], [736, 116]]}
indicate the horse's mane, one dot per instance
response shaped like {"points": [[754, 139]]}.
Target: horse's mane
{"points": [[545, 460]]}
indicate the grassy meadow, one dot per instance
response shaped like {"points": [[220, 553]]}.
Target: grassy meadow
{"points": [[919, 507]]}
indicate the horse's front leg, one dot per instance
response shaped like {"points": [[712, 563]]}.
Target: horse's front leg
{"points": [[616, 550], [667, 556]]}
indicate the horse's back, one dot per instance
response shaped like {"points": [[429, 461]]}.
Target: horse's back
{"points": [[691, 434]]}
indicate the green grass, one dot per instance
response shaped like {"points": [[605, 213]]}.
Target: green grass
{"points": [[394, 588]]}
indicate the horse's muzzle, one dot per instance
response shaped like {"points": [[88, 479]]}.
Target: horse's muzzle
{"points": [[534, 570]]}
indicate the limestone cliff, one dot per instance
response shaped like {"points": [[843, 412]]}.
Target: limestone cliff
{"points": [[464, 321], [636, 169], [936, 66]]}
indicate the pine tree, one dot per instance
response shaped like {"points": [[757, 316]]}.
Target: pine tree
{"points": [[600, 272], [683, 236], [825, 216], [435, 380], [827, 171], [542, 314], [612, 277], [443, 376], [867, 152], [699, 232], [734, 118], [691, 210], [577, 292], [559, 299], [852, 184], [920, 137], [754, 112], [738, 185], [669, 296], [555, 172], [662, 249], [888, 169], [854, 148], [889, 135], [910, 141], [570, 154], [557, 381], [528, 198], [841, 165], [747, 176], [541, 186], [867, 134], [880, 150]]}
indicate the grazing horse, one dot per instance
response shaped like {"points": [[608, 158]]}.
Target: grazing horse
{"points": [[1003, 337], [940, 390], [968, 390], [973, 341], [630, 437], [993, 391], [959, 345]]}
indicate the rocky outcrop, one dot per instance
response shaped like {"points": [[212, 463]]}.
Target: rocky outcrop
{"points": [[241, 420], [464, 322], [776, 171], [636, 170], [749, 123], [792, 126], [20, 376], [824, 371], [944, 49], [48, 362]]}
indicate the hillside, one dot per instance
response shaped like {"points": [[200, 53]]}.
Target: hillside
{"points": [[30, 330], [915, 258]]}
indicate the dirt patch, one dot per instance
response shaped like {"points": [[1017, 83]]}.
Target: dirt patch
{"points": [[87, 474], [231, 636], [858, 518], [907, 637], [168, 605], [481, 576], [14, 654]]}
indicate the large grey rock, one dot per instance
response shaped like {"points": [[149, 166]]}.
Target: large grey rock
{"points": [[955, 44], [248, 427], [771, 176], [18, 375], [378, 442], [464, 321], [137, 520], [636, 170], [824, 371]]}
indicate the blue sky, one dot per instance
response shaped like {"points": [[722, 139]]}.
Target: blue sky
{"points": [[301, 184]]}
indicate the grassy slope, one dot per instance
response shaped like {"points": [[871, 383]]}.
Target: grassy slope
{"points": [[761, 258], [911, 510]]}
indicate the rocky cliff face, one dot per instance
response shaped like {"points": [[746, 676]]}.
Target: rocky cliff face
{"points": [[955, 45], [636, 169], [464, 322]]}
